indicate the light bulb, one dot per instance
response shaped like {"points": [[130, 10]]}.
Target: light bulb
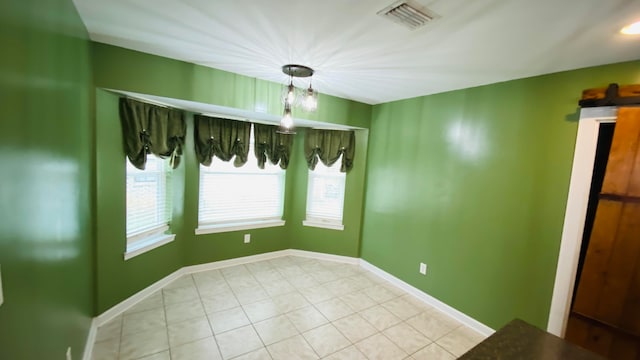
{"points": [[287, 121], [631, 29], [310, 100], [290, 94]]}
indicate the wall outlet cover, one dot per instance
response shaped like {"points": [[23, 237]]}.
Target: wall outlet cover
{"points": [[247, 238], [423, 268]]}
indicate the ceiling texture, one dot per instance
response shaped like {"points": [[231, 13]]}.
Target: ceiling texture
{"points": [[362, 56]]}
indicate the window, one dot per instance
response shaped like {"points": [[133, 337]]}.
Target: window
{"points": [[325, 196], [148, 206], [240, 198]]}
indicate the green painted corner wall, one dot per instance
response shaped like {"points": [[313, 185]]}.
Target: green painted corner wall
{"points": [[122, 69], [46, 232], [474, 183]]}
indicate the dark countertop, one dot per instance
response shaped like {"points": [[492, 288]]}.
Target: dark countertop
{"points": [[519, 340]]}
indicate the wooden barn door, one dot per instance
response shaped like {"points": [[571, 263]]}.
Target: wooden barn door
{"points": [[605, 316]]}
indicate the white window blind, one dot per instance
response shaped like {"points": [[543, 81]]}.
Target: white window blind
{"points": [[230, 195], [148, 197], [325, 194]]}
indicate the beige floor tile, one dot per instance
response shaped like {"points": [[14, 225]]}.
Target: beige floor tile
{"points": [[278, 287], [235, 272], [303, 281], [106, 350], [290, 302], [219, 301], [380, 317], [460, 340], [350, 353], [184, 311], [153, 301], [334, 309], [259, 267], [326, 340], [226, 320], [203, 349], [417, 303], [210, 288], [433, 352], [261, 310], [340, 287], [433, 324], [275, 329], [401, 308], [208, 275], [250, 295], [142, 321], [358, 301], [239, 341], [316, 294], [324, 276], [181, 294], [306, 318], [188, 331], [355, 327], [110, 330], [407, 338], [260, 354], [183, 281], [289, 270], [292, 348], [379, 293], [378, 347], [165, 355], [144, 343]]}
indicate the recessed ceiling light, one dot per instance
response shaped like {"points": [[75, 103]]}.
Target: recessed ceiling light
{"points": [[631, 29]]}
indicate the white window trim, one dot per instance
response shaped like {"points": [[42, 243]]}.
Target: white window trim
{"points": [[236, 226], [323, 223], [147, 241]]}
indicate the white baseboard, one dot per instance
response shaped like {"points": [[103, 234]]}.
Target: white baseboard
{"points": [[323, 256], [430, 300], [137, 297], [233, 262], [91, 339]]}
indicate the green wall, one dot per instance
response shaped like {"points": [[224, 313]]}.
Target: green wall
{"points": [[474, 183], [122, 69], [46, 232]]}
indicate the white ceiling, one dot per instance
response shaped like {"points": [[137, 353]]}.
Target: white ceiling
{"points": [[361, 56]]}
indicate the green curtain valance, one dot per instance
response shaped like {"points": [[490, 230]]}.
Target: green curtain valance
{"points": [[222, 138], [150, 129], [328, 145], [271, 145]]}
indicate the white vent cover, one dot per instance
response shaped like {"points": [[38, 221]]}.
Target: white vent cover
{"points": [[408, 14]]}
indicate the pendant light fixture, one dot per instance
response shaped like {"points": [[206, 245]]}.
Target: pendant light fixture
{"points": [[308, 98]]}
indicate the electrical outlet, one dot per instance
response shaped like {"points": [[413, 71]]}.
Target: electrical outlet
{"points": [[423, 268], [247, 238], [69, 353], [1, 296]]}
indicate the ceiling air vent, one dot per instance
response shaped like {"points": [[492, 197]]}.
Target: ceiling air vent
{"points": [[408, 14]]}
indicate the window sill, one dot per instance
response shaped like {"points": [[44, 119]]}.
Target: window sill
{"points": [[150, 243], [324, 225], [219, 228]]}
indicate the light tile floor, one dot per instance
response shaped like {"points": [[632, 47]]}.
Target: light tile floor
{"points": [[286, 308]]}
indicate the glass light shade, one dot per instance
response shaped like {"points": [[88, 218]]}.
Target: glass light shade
{"points": [[287, 120], [310, 101], [289, 95]]}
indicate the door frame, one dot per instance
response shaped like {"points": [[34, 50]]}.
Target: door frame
{"points": [[575, 213]]}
